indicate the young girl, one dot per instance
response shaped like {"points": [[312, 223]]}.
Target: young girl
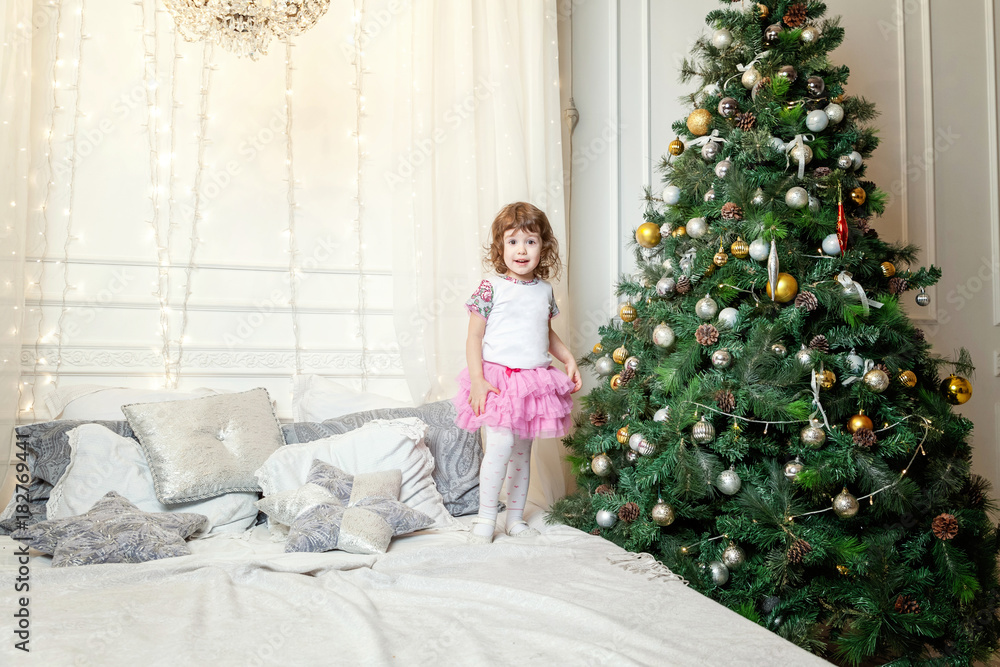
{"points": [[509, 386]]}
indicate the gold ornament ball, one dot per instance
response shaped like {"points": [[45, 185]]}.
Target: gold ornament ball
{"points": [[627, 312], [858, 422], [622, 435], [676, 147], [787, 288], [740, 248], [680, 231], [877, 380], [720, 258], [620, 355], [908, 379], [956, 389], [699, 121], [888, 269], [826, 379], [616, 381], [843, 569], [762, 10], [598, 348], [662, 514], [648, 235], [859, 196]]}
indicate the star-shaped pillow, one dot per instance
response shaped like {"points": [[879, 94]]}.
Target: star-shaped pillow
{"points": [[366, 525], [113, 531]]}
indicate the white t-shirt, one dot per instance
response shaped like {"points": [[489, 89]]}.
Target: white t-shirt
{"points": [[517, 315]]}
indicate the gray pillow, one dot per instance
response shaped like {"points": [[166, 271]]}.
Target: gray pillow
{"points": [[457, 453], [113, 531], [48, 451], [204, 447]]}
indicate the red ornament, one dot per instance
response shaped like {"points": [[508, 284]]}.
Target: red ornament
{"points": [[841, 227]]}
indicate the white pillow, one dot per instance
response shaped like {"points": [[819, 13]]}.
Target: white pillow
{"points": [[102, 461], [95, 401], [381, 444], [315, 398]]}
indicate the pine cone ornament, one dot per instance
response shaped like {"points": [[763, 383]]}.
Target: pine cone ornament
{"points": [[725, 400], [683, 285], [706, 334], [882, 367], [746, 121], [628, 512], [863, 225], [596, 531], [865, 437], [822, 172], [603, 490], [626, 376], [905, 604], [945, 526], [795, 15], [798, 551], [807, 300], [820, 344], [918, 334], [897, 285], [731, 211], [598, 419]]}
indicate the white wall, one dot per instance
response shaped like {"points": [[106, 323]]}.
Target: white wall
{"points": [[932, 74]]}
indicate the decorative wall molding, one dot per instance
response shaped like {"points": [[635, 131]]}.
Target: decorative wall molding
{"points": [[993, 130]]}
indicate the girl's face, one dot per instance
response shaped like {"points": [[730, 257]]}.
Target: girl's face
{"points": [[521, 252]]}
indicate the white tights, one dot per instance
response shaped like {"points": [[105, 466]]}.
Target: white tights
{"points": [[505, 453]]}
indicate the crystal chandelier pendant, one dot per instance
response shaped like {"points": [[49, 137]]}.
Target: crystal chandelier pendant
{"points": [[244, 27]]}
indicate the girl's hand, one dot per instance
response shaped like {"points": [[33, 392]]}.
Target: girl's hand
{"points": [[478, 392], [574, 374]]}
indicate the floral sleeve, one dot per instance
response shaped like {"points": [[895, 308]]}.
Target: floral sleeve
{"points": [[553, 308], [481, 302]]}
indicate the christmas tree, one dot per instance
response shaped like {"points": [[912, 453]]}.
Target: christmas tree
{"points": [[769, 423]]}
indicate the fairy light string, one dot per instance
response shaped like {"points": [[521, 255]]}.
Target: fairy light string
{"points": [[69, 238]]}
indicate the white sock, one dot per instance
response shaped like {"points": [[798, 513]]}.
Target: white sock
{"points": [[499, 445], [518, 476]]}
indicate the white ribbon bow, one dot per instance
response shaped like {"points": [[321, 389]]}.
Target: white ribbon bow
{"points": [[846, 280], [869, 364], [701, 141], [744, 68], [815, 389], [799, 140]]}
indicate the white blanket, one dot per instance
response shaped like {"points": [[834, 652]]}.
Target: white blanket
{"points": [[563, 598]]}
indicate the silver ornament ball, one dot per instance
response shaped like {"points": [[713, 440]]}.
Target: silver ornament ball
{"points": [[631, 457], [779, 350], [706, 308], [710, 195], [722, 169], [831, 245], [718, 572], [813, 435], [703, 432], [666, 286], [727, 317], [606, 518], [856, 159], [728, 482], [923, 299], [722, 39], [855, 362], [758, 198], [671, 195], [710, 151], [800, 153], [601, 465], [632, 363], [793, 468], [733, 557], [722, 358], [750, 78], [817, 120], [604, 366], [728, 107], [845, 505], [797, 197], [696, 227], [809, 34], [662, 513], [813, 204], [804, 357], [845, 162], [662, 415], [835, 113], [877, 380], [759, 249], [663, 335]]}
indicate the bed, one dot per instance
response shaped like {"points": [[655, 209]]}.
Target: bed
{"points": [[239, 598]]}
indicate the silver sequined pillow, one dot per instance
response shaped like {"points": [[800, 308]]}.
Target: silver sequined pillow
{"points": [[204, 447], [113, 531]]}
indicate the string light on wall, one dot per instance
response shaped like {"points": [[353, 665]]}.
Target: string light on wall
{"points": [[245, 27], [207, 68], [293, 248], [359, 101]]}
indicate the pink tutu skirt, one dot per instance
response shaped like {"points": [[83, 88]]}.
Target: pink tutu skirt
{"points": [[533, 402]]}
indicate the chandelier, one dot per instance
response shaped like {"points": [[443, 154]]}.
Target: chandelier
{"points": [[244, 26]]}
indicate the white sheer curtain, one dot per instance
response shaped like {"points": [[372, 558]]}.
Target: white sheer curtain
{"points": [[477, 123], [15, 98]]}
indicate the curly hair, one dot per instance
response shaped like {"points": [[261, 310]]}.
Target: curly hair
{"points": [[523, 216]]}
